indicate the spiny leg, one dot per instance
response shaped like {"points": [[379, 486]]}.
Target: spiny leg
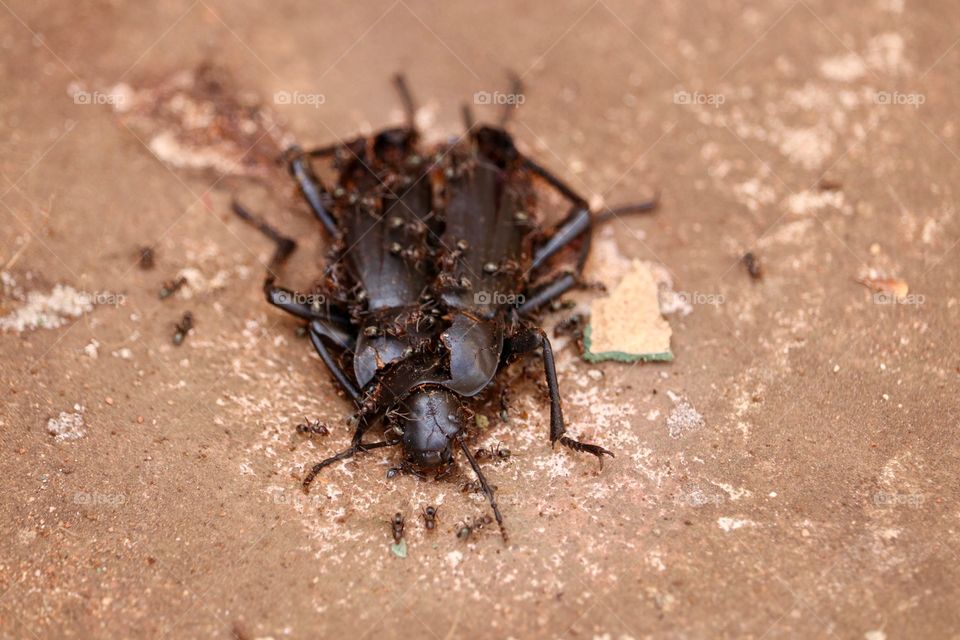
{"points": [[527, 340], [286, 299], [485, 486], [349, 452], [579, 219]]}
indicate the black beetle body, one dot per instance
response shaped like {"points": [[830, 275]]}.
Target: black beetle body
{"points": [[430, 285]]}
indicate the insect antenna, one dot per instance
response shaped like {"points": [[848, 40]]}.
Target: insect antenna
{"points": [[349, 452], [468, 120], [627, 209], [516, 88], [406, 97], [485, 486]]}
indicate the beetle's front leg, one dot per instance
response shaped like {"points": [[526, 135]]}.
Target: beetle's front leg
{"points": [[320, 330], [530, 339]]}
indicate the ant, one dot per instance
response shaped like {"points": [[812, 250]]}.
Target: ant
{"points": [[146, 258], [315, 428], [752, 262], [430, 517], [183, 328], [474, 486], [397, 526], [466, 529], [170, 287], [500, 452]]}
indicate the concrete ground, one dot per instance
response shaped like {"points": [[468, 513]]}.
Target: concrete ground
{"points": [[792, 473]]}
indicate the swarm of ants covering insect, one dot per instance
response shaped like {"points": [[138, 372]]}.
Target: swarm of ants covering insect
{"points": [[441, 258]]}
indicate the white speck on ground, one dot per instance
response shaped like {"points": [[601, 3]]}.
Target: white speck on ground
{"points": [[47, 310], [885, 53], [735, 493], [754, 194], [67, 426], [683, 417], [655, 560], [197, 283], [843, 68], [732, 524], [806, 201], [809, 147], [92, 349]]}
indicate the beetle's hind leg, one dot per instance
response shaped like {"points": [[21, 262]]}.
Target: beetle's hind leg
{"points": [[530, 339], [290, 301], [579, 219]]}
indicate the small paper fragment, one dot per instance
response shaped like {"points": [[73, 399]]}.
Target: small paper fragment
{"points": [[627, 325]]}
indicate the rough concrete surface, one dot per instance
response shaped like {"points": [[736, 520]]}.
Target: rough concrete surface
{"points": [[792, 473]]}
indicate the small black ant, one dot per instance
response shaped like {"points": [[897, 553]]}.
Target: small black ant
{"points": [[170, 287], [430, 517], [466, 528], [397, 525], [146, 258], [752, 262], [315, 428], [500, 452], [474, 486], [183, 328]]}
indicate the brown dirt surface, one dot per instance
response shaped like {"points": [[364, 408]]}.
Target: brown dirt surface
{"points": [[792, 473]]}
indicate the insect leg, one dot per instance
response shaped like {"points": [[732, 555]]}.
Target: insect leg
{"points": [[485, 486], [579, 219], [548, 293], [468, 120], [290, 301], [319, 331], [406, 97], [349, 452], [527, 340], [313, 192], [516, 88]]}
